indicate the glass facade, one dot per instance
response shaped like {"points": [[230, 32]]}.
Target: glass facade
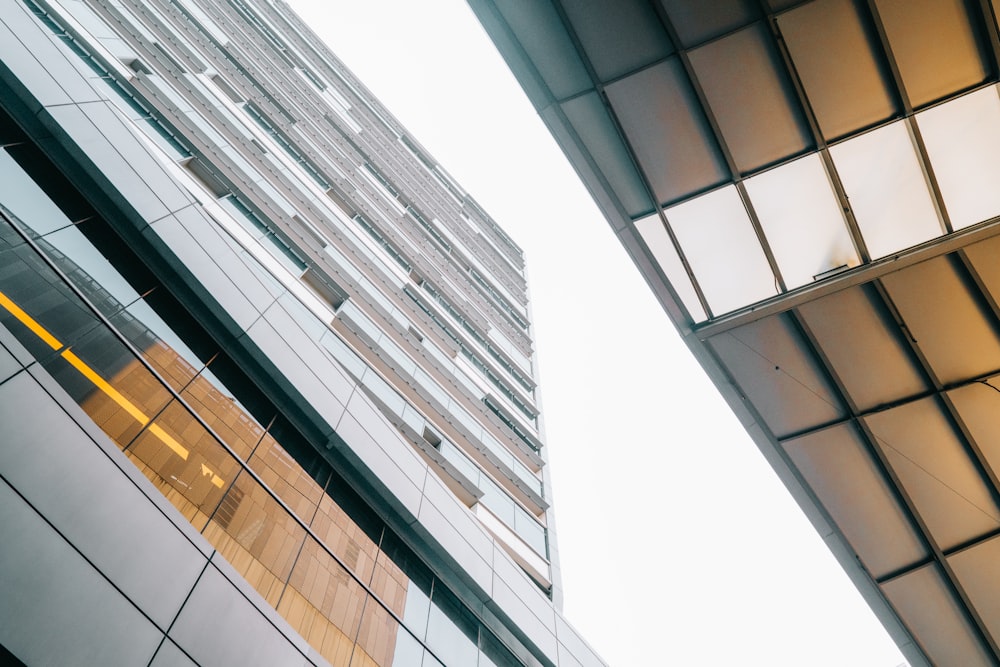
{"points": [[338, 576], [258, 289]]}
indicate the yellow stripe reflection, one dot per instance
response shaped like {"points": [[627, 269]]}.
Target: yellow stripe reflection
{"points": [[168, 440], [27, 321], [98, 381], [104, 386]]}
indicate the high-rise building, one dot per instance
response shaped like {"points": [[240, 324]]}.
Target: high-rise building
{"points": [[267, 384], [809, 188]]}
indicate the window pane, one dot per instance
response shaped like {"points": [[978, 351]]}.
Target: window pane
{"points": [[720, 245], [323, 603], [257, 536], [963, 142], [404, 584], [887, 190], [185, 462], [452, 631], [802, 220]]}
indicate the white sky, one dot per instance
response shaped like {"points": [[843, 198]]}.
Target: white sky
{"points": [[678, 543]]}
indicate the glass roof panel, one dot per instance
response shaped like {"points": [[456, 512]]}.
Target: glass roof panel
{"points": [[834, 55], [887, 189], [976, 571], [949, 326], [744, 82], [854, 491], [668, 131], [802, 220], [777, 372], [978, 405], [963, 142], [864, 348], [697, 21], [543, 37], [935, 471], [658, 241], [600, 137], [933, 615], [618, 37], [934, 46], [722, 249]]}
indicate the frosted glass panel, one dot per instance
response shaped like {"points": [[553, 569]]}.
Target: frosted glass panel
{"points": [[963, 142], [655, 236], [722, 249], [887, 190], [802, 220]]}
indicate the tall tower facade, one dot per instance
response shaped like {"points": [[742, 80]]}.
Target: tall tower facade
{"points": [[267, 381], [809, 188]]}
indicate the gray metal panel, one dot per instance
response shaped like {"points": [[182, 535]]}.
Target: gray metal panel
{"points": [[220, 626], [84, 495], [66, 613]]}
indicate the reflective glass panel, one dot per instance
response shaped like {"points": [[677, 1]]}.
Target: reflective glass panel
{"points": [[887, 190], [285, 477], [185, 462], [452, 631], [963, 141], [383, 642], [25, 199], [802, 220], [111, 385], [722, 249], [404, 584], [345, 537], [257, 536], [323, 603]]}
